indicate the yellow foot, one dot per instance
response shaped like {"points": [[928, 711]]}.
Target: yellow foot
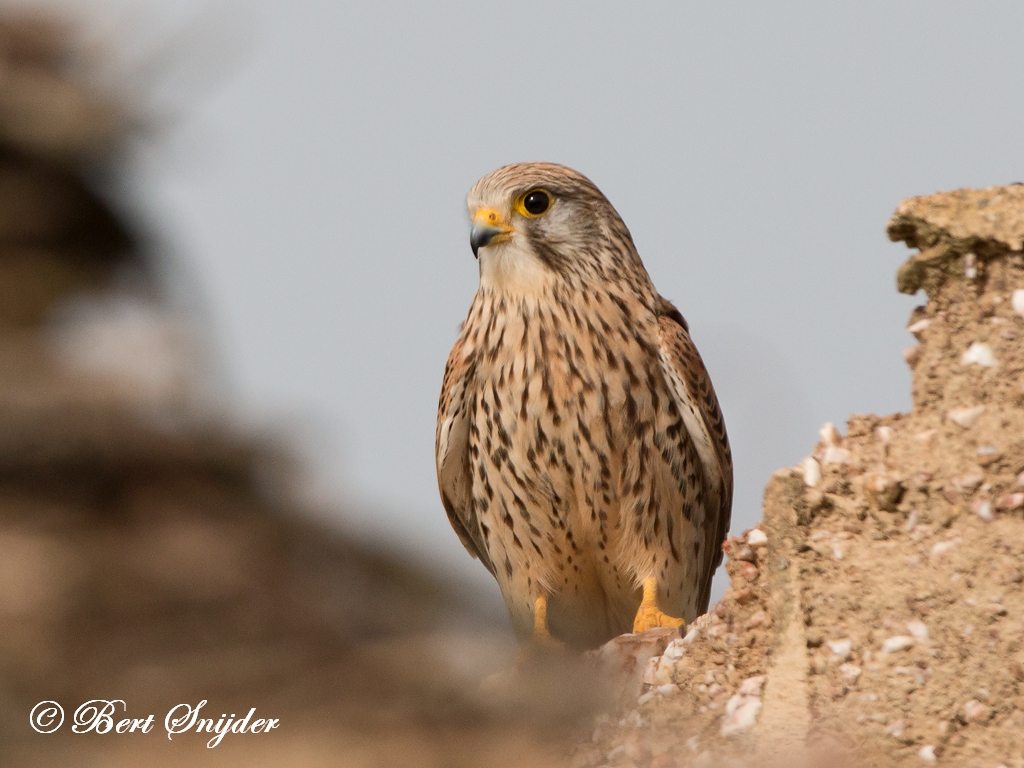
{"points": [[648, 616], [541, 636]]}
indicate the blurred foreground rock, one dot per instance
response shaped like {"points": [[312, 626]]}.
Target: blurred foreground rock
{"points": [[876, 616], [147, 552]]}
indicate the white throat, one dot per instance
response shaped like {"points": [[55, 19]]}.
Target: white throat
{"points": [[513, 268]]}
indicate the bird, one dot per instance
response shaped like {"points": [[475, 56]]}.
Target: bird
{"points": [[581, 451]]}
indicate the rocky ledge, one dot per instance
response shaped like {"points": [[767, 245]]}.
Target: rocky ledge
{"points": [[875, 616]]}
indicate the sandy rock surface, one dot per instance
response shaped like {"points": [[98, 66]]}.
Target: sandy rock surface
{"points": [[876, 615]]}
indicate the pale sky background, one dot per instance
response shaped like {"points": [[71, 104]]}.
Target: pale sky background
{"points": [[312, 190]]}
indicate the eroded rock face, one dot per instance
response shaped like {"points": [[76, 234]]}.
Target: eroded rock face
{"points": [[969, 331], [885, 609]]}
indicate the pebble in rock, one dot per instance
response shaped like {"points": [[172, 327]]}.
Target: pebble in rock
{"points": [[836, 455], [978, 354], [1017, 301], [927, 754], [897, 729], [740, 715], [758, 619], [849, 673], [975, 711], [983, 509], [757, 538], [897, 643], [752, 686], [841, 648], [744, 553], [969, 480], [1010, 501], [829, 434], [660, 669], [965, 417], [942, 547], [677, 648], [919, 326], [927, 437], [812, 472], [912, 520], [989, 453], [970, 264], [918, 631]]}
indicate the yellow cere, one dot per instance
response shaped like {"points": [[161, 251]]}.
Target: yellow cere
{"points": [[490, 218]]}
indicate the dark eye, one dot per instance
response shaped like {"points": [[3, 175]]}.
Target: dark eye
{"points": [[537, 202]]}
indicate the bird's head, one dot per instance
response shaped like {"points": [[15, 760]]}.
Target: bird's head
{"points": [[541, 222]]}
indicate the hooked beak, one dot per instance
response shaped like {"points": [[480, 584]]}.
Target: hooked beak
{"points": [[488, 226]]}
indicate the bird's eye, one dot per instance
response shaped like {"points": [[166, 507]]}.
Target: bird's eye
{"points": [[536, 202]]}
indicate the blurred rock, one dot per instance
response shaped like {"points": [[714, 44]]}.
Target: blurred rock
{"points": [[147, 549], [46, 108]]}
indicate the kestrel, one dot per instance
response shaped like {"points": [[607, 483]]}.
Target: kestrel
{"points": [[581, 451]]}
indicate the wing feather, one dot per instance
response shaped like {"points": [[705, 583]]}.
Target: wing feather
{"points": [[696, 399], [451, 449]]}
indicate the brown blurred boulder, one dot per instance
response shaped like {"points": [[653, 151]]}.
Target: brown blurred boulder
{"points": [[149, 551]]}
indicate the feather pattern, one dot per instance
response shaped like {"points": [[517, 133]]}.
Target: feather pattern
{"points": [[692, 389], [452, 452]]}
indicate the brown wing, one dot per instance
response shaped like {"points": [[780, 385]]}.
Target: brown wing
{"points": [[679, 352], [451, 450]]}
